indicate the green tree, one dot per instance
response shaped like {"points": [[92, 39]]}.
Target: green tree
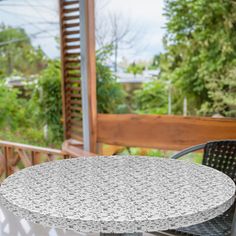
{"points": [[200, 53], [17, 53], [135, 69], [110, 94], [11, 115], [47, 101], [155, 64], [17, 121], [152, 98]]}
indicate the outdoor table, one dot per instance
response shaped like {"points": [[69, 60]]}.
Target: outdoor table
{"points": [[117, 194]]}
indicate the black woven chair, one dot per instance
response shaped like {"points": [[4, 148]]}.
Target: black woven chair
{"points": [[220, 155]]}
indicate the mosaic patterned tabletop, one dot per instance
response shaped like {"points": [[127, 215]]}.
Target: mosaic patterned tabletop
{"points": [[117, 194]]}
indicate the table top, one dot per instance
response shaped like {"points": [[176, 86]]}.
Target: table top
{"points": [[117, 194]]}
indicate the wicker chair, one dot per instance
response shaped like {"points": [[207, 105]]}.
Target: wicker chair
{"points": [[220, 155]]}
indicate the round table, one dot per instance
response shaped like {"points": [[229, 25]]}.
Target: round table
{"points": [[117, 194]]}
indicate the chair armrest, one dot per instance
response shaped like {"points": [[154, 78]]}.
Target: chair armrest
{"points": [[188, 150]]}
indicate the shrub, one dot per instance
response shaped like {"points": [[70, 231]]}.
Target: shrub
{"points": [[110, 94], [152, 98]]}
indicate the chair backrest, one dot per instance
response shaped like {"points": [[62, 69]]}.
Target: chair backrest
{"points": [[221, 155]]}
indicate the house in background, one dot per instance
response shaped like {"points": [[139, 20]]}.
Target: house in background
{"points": [[132, 82]]}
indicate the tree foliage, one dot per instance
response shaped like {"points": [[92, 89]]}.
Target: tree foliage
{"points": [[17, 53], [152, 98], [11, 114], [110, 94], [200, 53], [135, 68], [17, 119], [48, 101], [155, 63]]}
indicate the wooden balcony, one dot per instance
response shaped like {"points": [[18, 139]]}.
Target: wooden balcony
{"points": [[148, 131], [85, 130], [80, 119]]}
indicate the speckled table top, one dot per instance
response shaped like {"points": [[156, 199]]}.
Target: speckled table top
{"points": [[117, 194]]}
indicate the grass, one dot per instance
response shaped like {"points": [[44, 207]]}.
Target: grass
{"points": [[193, 157]]}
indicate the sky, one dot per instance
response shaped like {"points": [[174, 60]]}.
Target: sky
{"points": [[146, 16], [40, 20]]}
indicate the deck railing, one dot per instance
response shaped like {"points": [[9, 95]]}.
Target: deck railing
{"points": [[162, 132], [15, 156]]}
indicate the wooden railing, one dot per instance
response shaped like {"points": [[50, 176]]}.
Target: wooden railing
{"points": [[15, 156], [150, 131], [163, 132]]}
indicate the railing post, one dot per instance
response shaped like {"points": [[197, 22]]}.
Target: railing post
{"points": [[32, 158], [35, 156], [8, 153]]}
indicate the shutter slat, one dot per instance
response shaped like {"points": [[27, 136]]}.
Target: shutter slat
{"points": [[66, 3], [73, 61], [71, 25], [72, 68], [70, 10], [73, 75], [71, 32], [72, 17], [71, 40], [72, 47]]}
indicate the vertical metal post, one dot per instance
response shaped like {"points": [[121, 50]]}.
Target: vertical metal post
{"points": [[84, 76], [185, 108], [88, 74]]}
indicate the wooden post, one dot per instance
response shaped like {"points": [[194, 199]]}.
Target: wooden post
{"points": [[88, 74], [8, 152], [35, 156]]}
